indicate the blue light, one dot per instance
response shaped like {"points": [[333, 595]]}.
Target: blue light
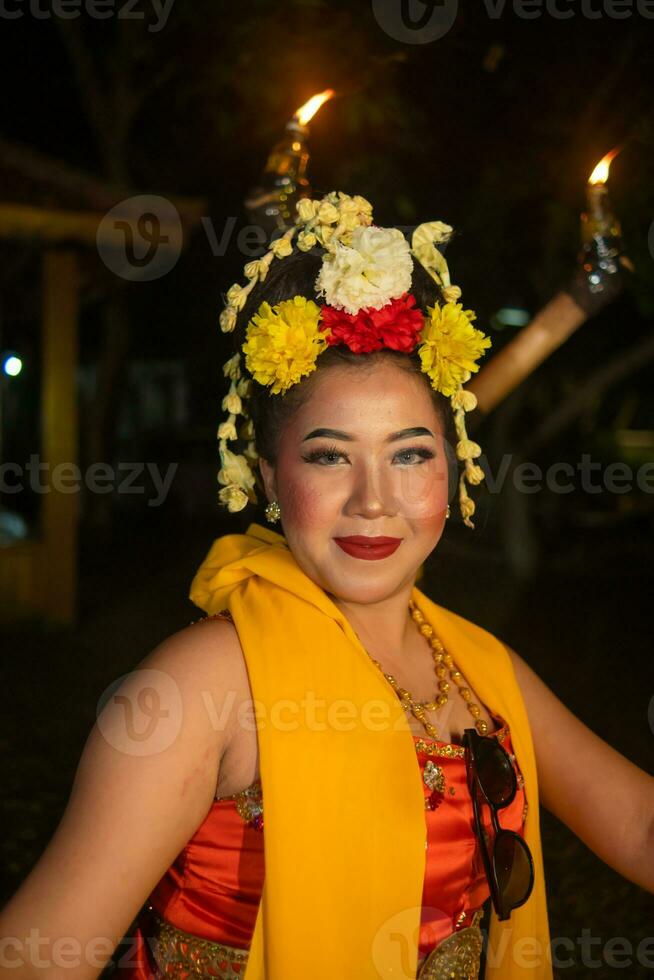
{"points": [[12, 365], [510, 316]]}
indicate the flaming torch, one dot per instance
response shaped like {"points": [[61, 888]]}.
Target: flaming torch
{"points": [[271, 205], [597, 280], [599, 277]]}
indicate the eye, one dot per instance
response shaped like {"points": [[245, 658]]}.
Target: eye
{"points": [[316, 455], [404, 455], [419, 451]]}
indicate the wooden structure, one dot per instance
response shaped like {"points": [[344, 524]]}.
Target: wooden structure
{"points": [[51, 210]]}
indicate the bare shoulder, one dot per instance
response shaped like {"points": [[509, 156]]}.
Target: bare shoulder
{"points": [[208, 645], [206, 660]]}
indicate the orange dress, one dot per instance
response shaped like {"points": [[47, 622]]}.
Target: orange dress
{"points": [[213, 888]]}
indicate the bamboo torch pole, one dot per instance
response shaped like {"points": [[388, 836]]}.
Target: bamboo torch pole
{"points": [[598, 279]]}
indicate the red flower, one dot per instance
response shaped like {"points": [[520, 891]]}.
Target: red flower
{"points": [[395, 326]]}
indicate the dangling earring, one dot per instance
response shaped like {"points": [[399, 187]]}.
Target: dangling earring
{"points": [[273, 511], [447, 512]]}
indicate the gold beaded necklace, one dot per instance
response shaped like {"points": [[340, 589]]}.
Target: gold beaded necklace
{"points": [[443, 662]]}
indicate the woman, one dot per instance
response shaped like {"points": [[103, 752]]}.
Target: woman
{"points": [[327, 721]]}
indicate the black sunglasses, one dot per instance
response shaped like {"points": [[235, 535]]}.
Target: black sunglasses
{"points": [[492, 780]]}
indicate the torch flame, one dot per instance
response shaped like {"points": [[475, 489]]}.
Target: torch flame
{"points": [[600, 174], [307, 111]]}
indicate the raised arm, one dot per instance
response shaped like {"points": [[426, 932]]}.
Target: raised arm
{"points": [[146, 780], [606, 800]]}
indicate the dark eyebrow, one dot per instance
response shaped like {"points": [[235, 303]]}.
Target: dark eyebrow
{"points": [[417, 430]]}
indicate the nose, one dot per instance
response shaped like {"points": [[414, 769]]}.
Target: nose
{"points": [[370, 495]]}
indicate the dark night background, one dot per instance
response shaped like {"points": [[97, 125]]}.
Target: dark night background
{"points": [[493, 128]]}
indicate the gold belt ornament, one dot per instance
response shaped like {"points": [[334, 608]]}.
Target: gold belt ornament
{"points": [[181, 954], [457, 956]]}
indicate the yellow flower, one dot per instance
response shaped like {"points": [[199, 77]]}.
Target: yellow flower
{"points": [[362, 204], [232, 401], [467, 449], [465, 400], [252, 269], [451, 294], [474, 474], [281, 247], [306, 209], [227, 430], [233, 497], [467, 508], [348, 205], [306, 240], [231, 368], [228, 319], [236, 296], [450, 346], [235, 469], [327, 213], [283, 342]]}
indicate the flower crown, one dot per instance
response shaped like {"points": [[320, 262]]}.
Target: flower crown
{"points": [[365, 280]]}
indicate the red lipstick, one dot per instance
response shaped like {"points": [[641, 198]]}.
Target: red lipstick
{"points": [[368, 548]]}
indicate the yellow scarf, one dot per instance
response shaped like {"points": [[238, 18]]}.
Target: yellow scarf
{"points": [[344, 818]]}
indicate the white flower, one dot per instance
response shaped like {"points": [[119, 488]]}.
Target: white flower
{"points": [[367, 274]]}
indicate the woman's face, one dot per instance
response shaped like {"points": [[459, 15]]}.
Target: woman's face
{"points": [[367, 477]]}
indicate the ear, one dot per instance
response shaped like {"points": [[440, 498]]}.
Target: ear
{"points": [[268, 477]]}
